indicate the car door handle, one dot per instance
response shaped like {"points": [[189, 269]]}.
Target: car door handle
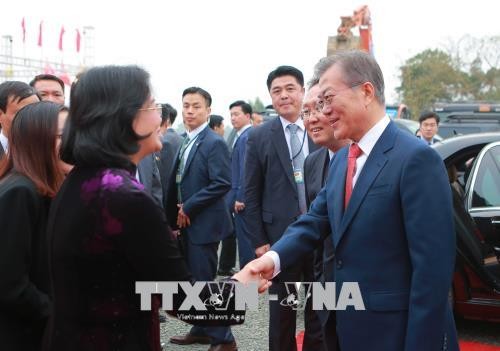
{"points": [[495, 221]]}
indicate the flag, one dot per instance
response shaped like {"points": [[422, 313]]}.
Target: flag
{"points": [[78, 40], [23, 26], [61, 34], [40, 34]]}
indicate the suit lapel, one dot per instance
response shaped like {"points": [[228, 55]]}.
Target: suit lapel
{"points": [[336, 178], [374, 164], [326, 164], [194, 148], [279, 141]]}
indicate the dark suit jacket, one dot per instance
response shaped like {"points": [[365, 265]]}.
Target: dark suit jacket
{"points": [[149, 176], [270, 190], [204, 184], [315, 174], [171, 144], [237, 192], [395, 239], [105, 234], [434, 140], [24, 281], [2, 152]]}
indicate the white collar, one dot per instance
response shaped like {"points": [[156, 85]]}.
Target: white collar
{"points": [[368, 141], [194, 133], [299, 123], [242, 129], [330, 154], [4, 141]]}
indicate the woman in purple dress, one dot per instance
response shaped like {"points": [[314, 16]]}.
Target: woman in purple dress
{"points": [[105, 232]]}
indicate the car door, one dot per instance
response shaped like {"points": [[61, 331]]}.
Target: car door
{"points": [[483, 193]]}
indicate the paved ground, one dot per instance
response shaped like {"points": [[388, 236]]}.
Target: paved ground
{"points": [[253, 334]]}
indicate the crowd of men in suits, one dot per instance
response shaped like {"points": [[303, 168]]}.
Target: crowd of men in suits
{"points": [[249, 189]]}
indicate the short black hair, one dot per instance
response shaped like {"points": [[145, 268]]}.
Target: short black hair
{"points": [[427, 115], [103, 105], [47, 77], [245, 106], [285, 71], [168, 112], [202, 92], [215, 121], [16, 90]]}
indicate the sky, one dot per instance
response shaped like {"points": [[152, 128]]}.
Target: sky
{"points": [[228, 47]]}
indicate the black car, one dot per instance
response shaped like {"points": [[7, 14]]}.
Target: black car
{"points": [[466, 118], [473, 165]]}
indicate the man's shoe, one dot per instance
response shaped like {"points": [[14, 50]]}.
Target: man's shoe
{"points": [[224, 347], [189, 339], [228, 273]]}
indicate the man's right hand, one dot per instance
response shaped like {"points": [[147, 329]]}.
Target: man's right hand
{"points": [[260, 270], [262, 250]]}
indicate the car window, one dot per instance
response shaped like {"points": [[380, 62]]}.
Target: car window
{"points": [[486, 189]]}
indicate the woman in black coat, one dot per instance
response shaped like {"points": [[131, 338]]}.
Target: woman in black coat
{"points": [[30, 176], [105, 232]]}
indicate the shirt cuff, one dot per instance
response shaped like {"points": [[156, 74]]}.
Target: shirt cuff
{"points": [[276, 259]]}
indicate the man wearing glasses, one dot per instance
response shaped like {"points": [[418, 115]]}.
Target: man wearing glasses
{"points": [[275, 197], [429, 124], [394, 244], [316, 167]]}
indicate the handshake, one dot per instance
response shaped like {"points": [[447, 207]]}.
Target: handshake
{"points": [[260, 270]]}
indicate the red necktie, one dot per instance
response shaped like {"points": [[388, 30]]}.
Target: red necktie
{"points": [[354, 153]]}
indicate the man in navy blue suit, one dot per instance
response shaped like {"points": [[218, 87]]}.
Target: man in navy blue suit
{"points": [[202, 179], [388, 205], [275, 197], [241, 114], [429, 125]]}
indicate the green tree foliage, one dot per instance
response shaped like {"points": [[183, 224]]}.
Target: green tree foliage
{"points": [[468, 70], [428, 77], [257, 105]]}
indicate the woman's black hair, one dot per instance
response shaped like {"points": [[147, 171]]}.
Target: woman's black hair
{"points": [[103, 104]]}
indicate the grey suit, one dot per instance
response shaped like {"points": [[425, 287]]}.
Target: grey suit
{"points": [[171, 145], [149, 176], [316, 168]]}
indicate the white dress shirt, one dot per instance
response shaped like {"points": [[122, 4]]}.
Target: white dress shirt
{"points": [[301, 133], [4, 141], [239, 132], [366, 144], [192, 139]]}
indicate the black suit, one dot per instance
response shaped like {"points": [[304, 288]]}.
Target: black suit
{"points": [[316, 167], [24, 300], [171, 145], [149, 176], [2, 152], [271, 205]]}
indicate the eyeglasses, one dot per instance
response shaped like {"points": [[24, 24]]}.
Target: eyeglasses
{"points": [[307, 113], [157, 107], [328, 99]]}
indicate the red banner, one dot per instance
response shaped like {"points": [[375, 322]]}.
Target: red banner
{"points": [[23, 26], [40, 34], [61, 34], [78, 40]]}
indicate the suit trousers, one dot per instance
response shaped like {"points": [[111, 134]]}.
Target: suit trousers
{"points": [[202, 262], [246, 251], [283, 318]]}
